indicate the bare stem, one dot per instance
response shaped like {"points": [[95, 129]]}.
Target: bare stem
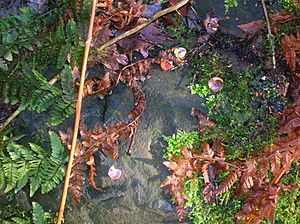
{"points": [[77, 115], [270, 35]]}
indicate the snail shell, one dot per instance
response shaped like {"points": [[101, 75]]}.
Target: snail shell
{"points": [[114, 173], [216, 84]]}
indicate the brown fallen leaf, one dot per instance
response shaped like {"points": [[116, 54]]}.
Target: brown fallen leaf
{"points": [[291, 47], [251, 29]]}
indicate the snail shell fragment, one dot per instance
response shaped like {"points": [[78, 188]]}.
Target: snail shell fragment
{"points": [[114, 173], [180, 52], [216, 84]]}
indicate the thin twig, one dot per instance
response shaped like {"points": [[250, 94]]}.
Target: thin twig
{"points": [[141, 26], [20, 108], [77, 115], [276, 179], [270, 35]]}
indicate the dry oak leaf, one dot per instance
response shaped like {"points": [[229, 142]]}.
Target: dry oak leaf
{"points": [[252, 28]]}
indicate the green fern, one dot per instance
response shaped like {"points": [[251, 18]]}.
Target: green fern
{"points": [[39, 216], [34, 165], [63, 42], [62, 110], [67, 84]]}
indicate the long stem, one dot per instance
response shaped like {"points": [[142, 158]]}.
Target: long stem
{"points": [[270, 35], [77, 115]]}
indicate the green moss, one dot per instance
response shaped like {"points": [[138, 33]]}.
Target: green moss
{"points": [[290, 5], [241, 109], [288, 207], [184, 36], [223, 211]]}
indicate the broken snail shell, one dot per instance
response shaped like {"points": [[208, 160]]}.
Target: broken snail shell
{"points": [[114, 173], [216, 84], [180, 52]]}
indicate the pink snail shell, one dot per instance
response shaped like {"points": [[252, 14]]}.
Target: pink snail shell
{"points": [[114, 173], [215, 84]]}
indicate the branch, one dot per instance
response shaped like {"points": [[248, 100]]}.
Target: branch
{"points": [[141, 26], [77, 114]]}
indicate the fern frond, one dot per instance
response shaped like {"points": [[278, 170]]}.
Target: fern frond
{"points": [[228, 182], [62, 110], [62, 56], [2, 176], [33, 165], [36, 178], [38, 214], [11, 174], [52, 174], [67, 84], [57, 153]]}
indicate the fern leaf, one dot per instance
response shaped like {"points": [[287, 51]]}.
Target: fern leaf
{"points": [[67, 83], [72, 31], [62, 110], [228, 182], [208, 152], [41, 100], [38, 213], [2, 176], [11, 174], [40, 152], [52, 174], [92, 172], [62, 56], [36, 178], [57, 147], [22, 182], [77, 181]]}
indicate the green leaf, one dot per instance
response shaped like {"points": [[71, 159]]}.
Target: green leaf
{"points": [[2, 176], [41, 153], [62, 57], [62, 110], [10, 37], [67, 83], [11, 174], [52, 174], [18, 220], [35, 183], [56, 146], [38, 213]]}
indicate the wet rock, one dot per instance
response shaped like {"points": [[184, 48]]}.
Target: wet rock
{"points": [[137, 197], [22, 200]]}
